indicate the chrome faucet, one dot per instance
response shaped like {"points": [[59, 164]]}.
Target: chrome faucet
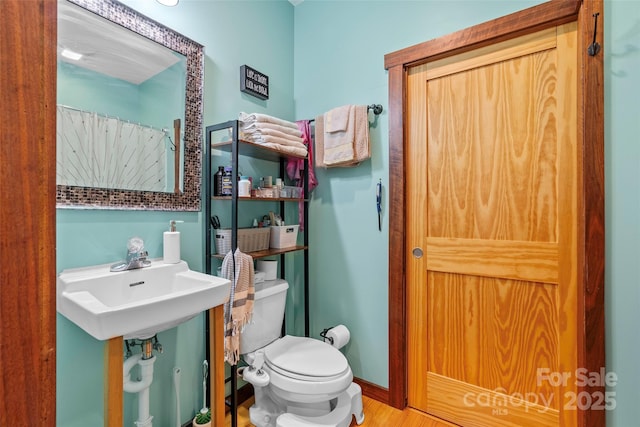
{"points": [[136, 256]]}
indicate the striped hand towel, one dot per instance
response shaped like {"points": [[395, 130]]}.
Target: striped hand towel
{"points": [[238, 268]]}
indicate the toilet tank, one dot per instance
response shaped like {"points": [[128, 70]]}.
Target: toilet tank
{"points": [[268, 313]]}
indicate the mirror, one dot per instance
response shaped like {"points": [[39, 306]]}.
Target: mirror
{"points": [[129, 114]]}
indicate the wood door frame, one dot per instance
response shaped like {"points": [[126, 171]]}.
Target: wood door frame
{"points": [[28, 212], [591, 352]]}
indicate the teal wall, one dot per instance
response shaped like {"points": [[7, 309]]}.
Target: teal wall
{"points": [[90, 91], [155, 102], [342, 63], [339, 51], [622, 210], [319, 55]]}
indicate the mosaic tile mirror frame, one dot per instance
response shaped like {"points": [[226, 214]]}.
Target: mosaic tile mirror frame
{"points": [[189, 198]]}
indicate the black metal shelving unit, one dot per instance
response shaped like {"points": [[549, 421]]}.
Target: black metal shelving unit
{"points": [[237, 147]]}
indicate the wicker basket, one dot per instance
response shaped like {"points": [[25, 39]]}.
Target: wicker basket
{"points": [[249, 239]]}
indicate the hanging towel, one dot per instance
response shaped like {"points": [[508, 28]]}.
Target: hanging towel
{"points": [[319, 141], [295, 167], [339, 134], [361, 143], [337, 120], [362, 147], [237, 267]]}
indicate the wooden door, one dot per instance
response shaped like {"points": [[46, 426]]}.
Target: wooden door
{"points": [[493, 173], [28, 213]]}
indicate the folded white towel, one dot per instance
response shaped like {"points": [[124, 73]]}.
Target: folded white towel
{"points": [[265, 118], [301, 152], [269, 139], [251, 126], [256, 133]]}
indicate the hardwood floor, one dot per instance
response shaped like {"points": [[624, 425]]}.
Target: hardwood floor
{"points": [[376, 414]]}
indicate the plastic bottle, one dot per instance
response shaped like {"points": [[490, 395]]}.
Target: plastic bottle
{"points": [[171, 244], [244, 187], [227, 182], [217, 181]]}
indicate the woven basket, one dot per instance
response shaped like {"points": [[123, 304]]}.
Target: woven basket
{"points": [[249, 239]]}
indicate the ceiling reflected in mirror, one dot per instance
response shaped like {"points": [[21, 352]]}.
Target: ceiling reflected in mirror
{"points": [[89, 41]]}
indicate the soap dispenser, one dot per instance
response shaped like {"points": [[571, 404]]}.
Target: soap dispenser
{"points": [[171, 244]]}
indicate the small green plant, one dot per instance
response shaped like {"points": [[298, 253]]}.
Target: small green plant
{"points": [[204, 416]]}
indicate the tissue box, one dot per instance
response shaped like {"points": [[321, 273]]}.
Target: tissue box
{"points": [[283, 236]]}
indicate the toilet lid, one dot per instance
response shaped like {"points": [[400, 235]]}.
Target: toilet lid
{"points": [[306, 356]]}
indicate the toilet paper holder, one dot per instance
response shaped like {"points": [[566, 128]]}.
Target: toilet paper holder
{"points": [[336, 336], [324, 336]]}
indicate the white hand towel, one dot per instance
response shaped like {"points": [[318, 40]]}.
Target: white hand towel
{"points": [[337, 119]]}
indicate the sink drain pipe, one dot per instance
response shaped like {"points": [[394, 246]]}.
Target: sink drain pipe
{"points": [[146, 361]]}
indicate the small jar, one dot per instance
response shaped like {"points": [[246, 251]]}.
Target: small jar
{"points": [[277, 191], [244, 187]]}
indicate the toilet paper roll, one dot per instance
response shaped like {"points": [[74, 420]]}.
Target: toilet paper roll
{"points": [[269, 268], [340, 336]]}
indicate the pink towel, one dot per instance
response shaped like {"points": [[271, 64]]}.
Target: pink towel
{"points": [[295, 167]]}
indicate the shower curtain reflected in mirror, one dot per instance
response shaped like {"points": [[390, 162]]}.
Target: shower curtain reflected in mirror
{"points": [[98, 151]]}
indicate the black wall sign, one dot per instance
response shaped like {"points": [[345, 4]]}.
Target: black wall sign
{"points": [[254, 82]]}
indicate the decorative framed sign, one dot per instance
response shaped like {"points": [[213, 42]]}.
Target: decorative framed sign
{"points": [[254, 82]]}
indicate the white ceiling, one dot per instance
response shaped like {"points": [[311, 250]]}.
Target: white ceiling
{"points": [[109, 48]]}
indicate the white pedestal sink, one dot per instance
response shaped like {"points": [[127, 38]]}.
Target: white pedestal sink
{"points": [[136, 303]]}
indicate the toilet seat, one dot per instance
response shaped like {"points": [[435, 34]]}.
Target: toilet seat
{"points": [[306, 359], [306, 370]]}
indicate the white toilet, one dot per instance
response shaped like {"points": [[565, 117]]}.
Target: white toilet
{"points": [[297, 381]]}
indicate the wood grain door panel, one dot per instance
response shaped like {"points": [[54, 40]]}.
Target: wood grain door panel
{"points": [[492, 158]]}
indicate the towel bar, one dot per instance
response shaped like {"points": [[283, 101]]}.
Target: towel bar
{"points": [[377, 110]]}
